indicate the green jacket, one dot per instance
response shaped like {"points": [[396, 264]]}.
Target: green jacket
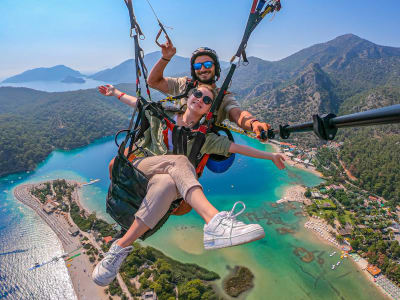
{"points": [[153, 140]]}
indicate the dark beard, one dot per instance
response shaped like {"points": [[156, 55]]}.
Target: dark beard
{"points": [[208, 81]]}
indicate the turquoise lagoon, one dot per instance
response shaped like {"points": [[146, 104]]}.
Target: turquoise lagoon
{"points": [[276, 261]]}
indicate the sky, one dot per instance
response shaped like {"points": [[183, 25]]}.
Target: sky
{"points": [[90, 35]]}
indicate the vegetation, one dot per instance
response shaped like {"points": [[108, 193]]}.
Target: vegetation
{"points": [[35, 123], [370, 219], [239, 281], [162, 274]]}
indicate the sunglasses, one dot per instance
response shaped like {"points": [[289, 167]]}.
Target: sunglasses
{"points": [[206, 64], [198, 94]]}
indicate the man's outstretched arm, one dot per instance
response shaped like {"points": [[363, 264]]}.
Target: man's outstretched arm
{"points": [[156, 78], [247, 121]]}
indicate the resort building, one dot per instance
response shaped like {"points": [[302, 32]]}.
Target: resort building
{"points": [[149, 295], [73, 230], [316, 195], [346, 231], [49, 207], [107, 239], [373, 270]]}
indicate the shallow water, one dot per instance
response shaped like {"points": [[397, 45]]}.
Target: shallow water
{"points": [[279, 272]]}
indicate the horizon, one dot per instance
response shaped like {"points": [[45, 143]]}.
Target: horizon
{"points": [[88, 73], [94, 35]]}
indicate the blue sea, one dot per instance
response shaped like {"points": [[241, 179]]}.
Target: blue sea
{"points": [[25, 239], [56, 86]]}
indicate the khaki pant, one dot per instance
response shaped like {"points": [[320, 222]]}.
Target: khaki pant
{"points": [[169, 177]]}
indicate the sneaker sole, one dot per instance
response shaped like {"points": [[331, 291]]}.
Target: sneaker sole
{"points": [[221, 243], [98, 282]]}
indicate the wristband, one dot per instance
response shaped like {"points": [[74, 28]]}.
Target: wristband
{"points": [[166, 59], [119, 97], [251, 123]]}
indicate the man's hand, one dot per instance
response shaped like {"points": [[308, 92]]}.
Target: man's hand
{"points": [[168, 50], [258, 126], [278, 160]]}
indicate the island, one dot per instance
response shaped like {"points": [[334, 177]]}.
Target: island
{"points": [[71, 79], [146, 273], [238, 281]]}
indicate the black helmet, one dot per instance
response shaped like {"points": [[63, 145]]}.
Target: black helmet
{"points": [[209, 52]]}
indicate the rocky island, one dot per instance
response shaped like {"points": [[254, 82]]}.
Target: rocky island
{"points": [[71, 79], [238, 281]]}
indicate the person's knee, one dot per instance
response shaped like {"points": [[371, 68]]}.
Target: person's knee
{"points": [[182, 161], [164, 183]]}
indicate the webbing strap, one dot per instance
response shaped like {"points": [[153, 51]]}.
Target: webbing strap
{"points": [[134, 25]]}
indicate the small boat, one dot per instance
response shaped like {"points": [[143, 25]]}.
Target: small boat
{"points": [[333, 253], [91, 182], [333, 267], [338, 263]]}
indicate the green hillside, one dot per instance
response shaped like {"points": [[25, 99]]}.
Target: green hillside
{"points": [[34, 123], [372, 154]]}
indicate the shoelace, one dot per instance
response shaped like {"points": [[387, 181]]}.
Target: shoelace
{"points": [[232, 217], [114, 257]]}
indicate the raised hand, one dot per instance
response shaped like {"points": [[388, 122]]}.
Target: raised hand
{"points": [[278, 160], [107, 90], [168, 50]]}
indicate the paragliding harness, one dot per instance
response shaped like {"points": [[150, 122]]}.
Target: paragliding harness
{"points": [[128, 184]]}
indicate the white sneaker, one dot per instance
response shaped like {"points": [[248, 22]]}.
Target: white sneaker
{"points": [[225, 231], [107, 269]]}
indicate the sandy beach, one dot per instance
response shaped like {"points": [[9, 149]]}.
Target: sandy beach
{"points": [[294, 163], [79, 268], [295, 193]]}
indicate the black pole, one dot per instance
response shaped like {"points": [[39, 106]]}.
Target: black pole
{"points": [[326, 126], [380, 116]]}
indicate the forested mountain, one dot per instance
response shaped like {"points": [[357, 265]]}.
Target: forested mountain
{"points": [[56, 73], [355, 65], [345, 75], [34, 123], [372, 154]]}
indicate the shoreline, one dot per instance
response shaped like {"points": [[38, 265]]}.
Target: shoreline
{"points": [[294, 163], [294, 193], [320, 229], [80, 268], [362, 266]]}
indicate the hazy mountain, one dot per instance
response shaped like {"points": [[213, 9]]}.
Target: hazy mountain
{"points": [[125, 72], [56, 73]]}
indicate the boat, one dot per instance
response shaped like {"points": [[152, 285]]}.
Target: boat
{"points": [[333, 267], [333, 253], [338, 263], [91, 182]]}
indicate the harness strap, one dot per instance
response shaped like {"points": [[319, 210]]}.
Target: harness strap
{"points": [[190, 84], [202, 164]]}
